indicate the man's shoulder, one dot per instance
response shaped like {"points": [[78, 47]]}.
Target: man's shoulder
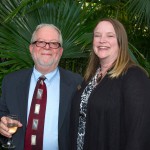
{"points": [[68, 72], [19, 73], [70, 75]]}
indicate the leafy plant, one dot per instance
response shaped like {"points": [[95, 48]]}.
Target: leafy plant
{"points": [[19, 19], [75, 18]]}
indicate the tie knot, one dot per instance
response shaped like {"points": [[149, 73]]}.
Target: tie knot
{"points": [[42, 77]]}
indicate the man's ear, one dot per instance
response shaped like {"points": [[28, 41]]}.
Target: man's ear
{"points": [[31, 48], [61, 50]]}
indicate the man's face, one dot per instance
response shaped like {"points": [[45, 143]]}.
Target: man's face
{"points": [[47, 56]]}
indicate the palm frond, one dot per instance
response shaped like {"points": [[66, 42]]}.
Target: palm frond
{"points": [[20, 17], [139, 11]]}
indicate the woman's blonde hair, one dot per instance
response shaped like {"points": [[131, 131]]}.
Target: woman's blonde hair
{"points": [[123, 61]]}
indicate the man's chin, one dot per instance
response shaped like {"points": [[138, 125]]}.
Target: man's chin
{"points": [[46, 64]]}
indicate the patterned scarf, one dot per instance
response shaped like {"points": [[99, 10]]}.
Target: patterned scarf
{"points": [[83, 109]]}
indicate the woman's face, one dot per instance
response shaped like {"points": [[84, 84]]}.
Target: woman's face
{"points": [[105, 42]]}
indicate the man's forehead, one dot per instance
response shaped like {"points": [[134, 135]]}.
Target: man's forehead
{"points": [[47, 32]]}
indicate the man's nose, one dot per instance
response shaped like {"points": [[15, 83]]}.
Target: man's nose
{"points": [[47, 46]]}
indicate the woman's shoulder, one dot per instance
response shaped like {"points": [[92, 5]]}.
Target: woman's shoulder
{"points": [[136, 71], [135, 75]]}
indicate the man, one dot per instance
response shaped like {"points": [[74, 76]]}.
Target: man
{"points": [[18, 88]]}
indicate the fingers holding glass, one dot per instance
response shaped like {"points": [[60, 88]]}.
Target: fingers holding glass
{"points": [[12, 124]]}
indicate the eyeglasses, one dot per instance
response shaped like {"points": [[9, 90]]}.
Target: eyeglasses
{"points": [[42, 44]]}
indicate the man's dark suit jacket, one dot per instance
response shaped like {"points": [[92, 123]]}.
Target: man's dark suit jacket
{"points": [[14, 100]]}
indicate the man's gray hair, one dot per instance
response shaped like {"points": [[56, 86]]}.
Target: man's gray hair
{"points": [[46, 25]]}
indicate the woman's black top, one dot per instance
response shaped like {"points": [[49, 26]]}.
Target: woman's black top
{"points": [[118, 114]]}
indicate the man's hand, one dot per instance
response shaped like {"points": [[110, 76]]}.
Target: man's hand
{"points": [[4, 129]]}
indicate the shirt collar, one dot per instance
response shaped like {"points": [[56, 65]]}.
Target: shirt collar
{"points": [[48, 76]]}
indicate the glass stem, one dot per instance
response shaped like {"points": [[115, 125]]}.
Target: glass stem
{"points": [[10, 141]]}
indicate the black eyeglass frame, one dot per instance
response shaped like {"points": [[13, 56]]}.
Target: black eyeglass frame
{"points": [[45, 43]]}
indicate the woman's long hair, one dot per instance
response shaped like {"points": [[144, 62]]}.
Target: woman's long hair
{"points": [[123, 61]]}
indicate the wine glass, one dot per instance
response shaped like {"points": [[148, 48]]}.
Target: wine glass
{"points": [[12, 125]]}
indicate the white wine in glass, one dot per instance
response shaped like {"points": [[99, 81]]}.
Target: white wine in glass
{"points": [[12, 125]]}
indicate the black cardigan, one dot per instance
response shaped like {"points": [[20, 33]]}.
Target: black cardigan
{"points": [[118, 114]]}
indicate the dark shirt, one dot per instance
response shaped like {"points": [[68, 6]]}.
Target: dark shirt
{"points": [[118, 114]]}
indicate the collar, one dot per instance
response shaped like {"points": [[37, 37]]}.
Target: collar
{"points": [[49, 76]]}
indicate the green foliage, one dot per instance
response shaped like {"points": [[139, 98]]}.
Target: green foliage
{"points": [[19, 19], [76, 19], [140, 58], [139, 11]]}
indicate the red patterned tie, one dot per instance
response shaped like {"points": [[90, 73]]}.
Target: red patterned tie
{"points": [[35, 127]]}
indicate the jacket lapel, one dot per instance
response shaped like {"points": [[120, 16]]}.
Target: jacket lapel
{"points": [[65, 95], [23, 92]]}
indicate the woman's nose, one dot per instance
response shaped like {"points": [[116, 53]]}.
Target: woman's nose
{"points": [[102, 39]]}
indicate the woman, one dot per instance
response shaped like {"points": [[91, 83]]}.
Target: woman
{"points": [[111, 111]]}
